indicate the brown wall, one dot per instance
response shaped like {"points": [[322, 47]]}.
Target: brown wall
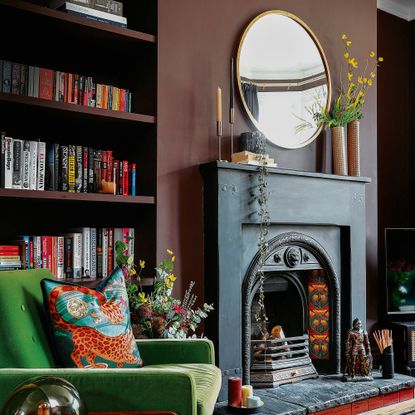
{"points": [[196, 41], [394, 134]]}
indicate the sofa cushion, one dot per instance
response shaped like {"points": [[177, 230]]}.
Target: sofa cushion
{"points": [[208, 380], [91, 328]]}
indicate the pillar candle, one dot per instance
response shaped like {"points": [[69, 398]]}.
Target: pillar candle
{"points": [[246, 392], [219, 104], [254, 402], [234, 391]]}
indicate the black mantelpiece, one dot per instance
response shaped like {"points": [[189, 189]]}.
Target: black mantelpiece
{"points": [[327, 209]]}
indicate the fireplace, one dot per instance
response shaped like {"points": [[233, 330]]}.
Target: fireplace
{"points": [[316, 243]]}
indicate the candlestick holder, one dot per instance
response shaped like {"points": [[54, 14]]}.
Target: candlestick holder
{"points": [[219, 133], [231, 122]]}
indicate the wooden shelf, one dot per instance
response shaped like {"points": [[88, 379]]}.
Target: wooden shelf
{"points": [[79, 109], [79, 197], [94, 282], [114, 31]]}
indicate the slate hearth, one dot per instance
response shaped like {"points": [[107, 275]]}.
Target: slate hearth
{"points": [[313, 396]]}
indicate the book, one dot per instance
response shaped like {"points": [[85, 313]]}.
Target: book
{"points": [[1, 74], [41, 165], [110, 250], [93, 252], [7, 76], [79, 169], [46, 78], [71, 168], [60, 257], [33, 165], [108, 6], [68, 256], [133, 179], [17, 163], [51, 169], [8, 163], [26, 165], [99, 252], [31, 81], [16, 78], [93, 13], [24, 72], [91, 170], [104, 252], [77, 261], [36, 81], [64, 168]]}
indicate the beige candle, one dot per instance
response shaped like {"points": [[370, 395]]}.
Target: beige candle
{"points": [[247, 391], [219, 104]]}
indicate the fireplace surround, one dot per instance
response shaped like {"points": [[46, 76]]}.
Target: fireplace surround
{"points": [[317, 223]]}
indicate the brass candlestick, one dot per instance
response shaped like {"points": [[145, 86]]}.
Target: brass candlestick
{"points": [[231, 122], [219, 133]]}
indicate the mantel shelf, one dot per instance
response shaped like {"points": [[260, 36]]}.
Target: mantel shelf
{"points": [[80, 109], [65, 18], [75, 197]]}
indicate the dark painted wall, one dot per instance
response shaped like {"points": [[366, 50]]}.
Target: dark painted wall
{"points": [[394, 128], [196, 41]]}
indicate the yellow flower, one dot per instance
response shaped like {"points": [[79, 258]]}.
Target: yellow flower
{"points": [[132, 272], [346, 55], [172, 277], [362, 101], [348, 43], [349, 76], [380, 59], [344, 37], [142, 297], [365, 80], [169, 251], [370, 82], [173, 258], [372, 74], [372, 54], [353, 62], [142, 263], [360, 80], [168, 283]]}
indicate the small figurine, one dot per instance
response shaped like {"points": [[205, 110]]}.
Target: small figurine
{"points": [[359, 360]]}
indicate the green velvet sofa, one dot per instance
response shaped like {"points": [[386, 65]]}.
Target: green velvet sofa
{"points": [[178, 375]]}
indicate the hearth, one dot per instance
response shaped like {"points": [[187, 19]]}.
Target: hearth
{"points": [[316, 245]]}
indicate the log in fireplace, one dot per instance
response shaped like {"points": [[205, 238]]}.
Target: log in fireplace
{"points": [[314, 273]]}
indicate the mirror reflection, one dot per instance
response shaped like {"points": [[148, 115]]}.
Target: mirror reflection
{"points": [[283, 78]]}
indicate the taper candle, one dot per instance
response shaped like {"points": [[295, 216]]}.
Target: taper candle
{"points": [[219, 104], [232, 92], [247, 391], [234, 391]]}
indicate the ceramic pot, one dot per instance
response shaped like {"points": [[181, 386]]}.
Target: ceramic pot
{"points": [[338, 143], [353, 148]]}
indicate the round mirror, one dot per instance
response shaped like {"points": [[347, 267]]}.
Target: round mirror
{"points": [[283, 78]]}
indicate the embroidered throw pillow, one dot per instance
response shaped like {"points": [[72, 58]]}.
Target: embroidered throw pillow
{"points": [[91, 327]]}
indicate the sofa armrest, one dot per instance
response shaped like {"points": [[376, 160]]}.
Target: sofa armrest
{"points": [[111, 390], [162, 351]]}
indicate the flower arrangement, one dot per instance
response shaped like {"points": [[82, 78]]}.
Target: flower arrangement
{"points": [[158, 314], [349, 104], [401, 274]]}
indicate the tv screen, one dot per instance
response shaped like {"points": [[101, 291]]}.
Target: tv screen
{"points": [[400, 270]]}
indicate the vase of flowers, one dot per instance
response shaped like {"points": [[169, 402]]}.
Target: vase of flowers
{"points": [[158, 314]]}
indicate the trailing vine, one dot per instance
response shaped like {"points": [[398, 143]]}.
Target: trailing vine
{"points": [[260, 315]]}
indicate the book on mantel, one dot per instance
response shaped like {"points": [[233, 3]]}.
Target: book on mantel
{"points": [[247, 157]]}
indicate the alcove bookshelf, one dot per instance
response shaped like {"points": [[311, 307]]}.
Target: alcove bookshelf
{"points": [[124, 57]]}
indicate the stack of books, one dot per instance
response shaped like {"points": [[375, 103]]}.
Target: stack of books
{"points": [[247, 157], [9, 257], [104, 11]]}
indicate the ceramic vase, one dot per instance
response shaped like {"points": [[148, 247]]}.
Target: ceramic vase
{"points": [[338, 143], [353, 148]]}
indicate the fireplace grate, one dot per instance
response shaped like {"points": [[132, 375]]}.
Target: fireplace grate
{"points": [[278, 361]]}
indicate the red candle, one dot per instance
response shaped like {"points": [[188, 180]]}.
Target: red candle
{"points": [[234, 391]]}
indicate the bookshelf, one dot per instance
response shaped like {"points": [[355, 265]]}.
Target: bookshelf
{"points": [[112, 55]]}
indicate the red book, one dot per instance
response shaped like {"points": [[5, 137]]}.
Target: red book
{"points": [[31, 259], [125, 234], [44, 240], [75, 89], [122, 100], [125, 177], [46, 78], [110, 173], [110, 250]]}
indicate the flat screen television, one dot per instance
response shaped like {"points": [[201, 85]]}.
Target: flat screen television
{"points": [[400, 271]]}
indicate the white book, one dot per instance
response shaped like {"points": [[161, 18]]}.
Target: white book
{"points": [[86, 249], [41, 151], [77, 260], [131, 244], [93, 252], [26, 165], [94, 13], [8, 166], [99, 96], [17, 163], [60, 255], [33, 166], [30, 83], [56, 87], [104, 252], [38, 251], [36, 82]]}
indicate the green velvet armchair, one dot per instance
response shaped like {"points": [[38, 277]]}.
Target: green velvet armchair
{"points": [[178, 375]]}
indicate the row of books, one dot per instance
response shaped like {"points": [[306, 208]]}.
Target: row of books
{"points": [[9, 257], [35, 165], [32, 81], [83, 253], [104, 11]]}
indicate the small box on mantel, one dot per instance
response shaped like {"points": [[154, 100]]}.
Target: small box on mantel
{"points": [[247, 157]]}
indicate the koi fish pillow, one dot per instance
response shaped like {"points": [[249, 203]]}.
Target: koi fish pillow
{"points": [[91, 327]]}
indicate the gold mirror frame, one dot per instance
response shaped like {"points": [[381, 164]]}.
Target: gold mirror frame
{"points": [[323, 57]]}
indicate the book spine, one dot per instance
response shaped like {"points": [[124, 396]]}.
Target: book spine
{"points": [[131, 242], [56, 166], [115, 175], [56, 86], [120, 177], [93, 252], [39, 255], [60, 257], [54, 255], [41, 161], [105, 252], [69, 95], [31, 250], [50, 170], [36, 81], [30, 82], [91, 170], [79, 169], [49, 251], [99, 252], [46, 81], [3, 153], [71, 168], [86, 249], [7, 76], [104, 164], [17, 163], [75, 98], [16, 78], [68, 256], [97, 170], [23, 79], [44, 252], [99, 96], [109, 6], [90, 12], [64, 168], [81, 89], [61, 87], [125, 177], [8, 166], [33, 165], [110, 250], [85, 169], [110, 173], [26, 165], [133, 179], [25, 255], [35, 251], [77, 255]]}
